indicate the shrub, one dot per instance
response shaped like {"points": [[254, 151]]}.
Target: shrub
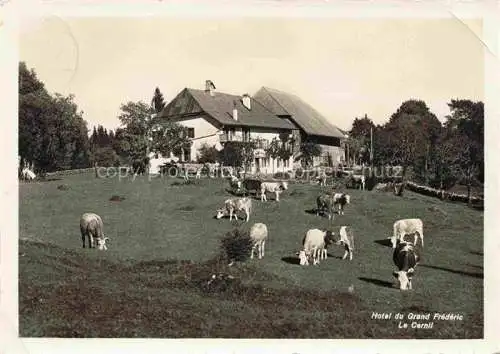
{"points": [[236, 245], [282, 175]]}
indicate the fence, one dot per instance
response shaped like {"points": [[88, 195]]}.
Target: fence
{"points": [[441, 194], [70, 172]]}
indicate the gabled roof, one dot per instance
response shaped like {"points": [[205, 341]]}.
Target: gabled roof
{"points": [[220, 107], [305, 116]]}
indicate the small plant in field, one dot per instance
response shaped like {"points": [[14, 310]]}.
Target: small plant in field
{"points": [[236, 245]]}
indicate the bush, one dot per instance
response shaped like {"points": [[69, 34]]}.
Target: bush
{"points": [[282, 175], [236, 245]]}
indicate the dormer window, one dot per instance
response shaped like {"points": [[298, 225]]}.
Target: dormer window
{"points": [[246, 101]]}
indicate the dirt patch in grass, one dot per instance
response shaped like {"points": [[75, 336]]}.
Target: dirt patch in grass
{"points": [[116, 198]]}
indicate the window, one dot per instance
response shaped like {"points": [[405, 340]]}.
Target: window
{"points": [[286, 163], [246, 135], [187, 155], [190, 132]]}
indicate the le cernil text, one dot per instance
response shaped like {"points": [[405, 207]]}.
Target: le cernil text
{"points": [[418, 316]]}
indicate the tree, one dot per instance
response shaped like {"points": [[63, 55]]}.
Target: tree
{"points": [[52, 132], [359, 139], [135, 117], [285, 147], [208, 154], [411, 139], [309, 150], [464, 142], [157, 103], [169, 137], [238, 154], [273, 150]]}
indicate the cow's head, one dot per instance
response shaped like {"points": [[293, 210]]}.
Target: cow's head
{"points": [[347, 198], [404, 278], [284, 185], [101, 243], [303, 258], [330, 238], [220, 213]]}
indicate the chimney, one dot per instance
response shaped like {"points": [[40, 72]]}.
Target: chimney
{"points": [[246, 101], [235, 111], [209, 87]]}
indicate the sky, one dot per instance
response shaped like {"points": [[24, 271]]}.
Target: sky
{"points": [[344, 67]]}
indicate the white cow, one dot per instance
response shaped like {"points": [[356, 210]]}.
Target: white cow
{"points": [[313, 243], [258, 235], [359, 179], [407, 227], [272, 187], [340, 200], [91, 227], [232, 206], [347, 240], [27, 174]]}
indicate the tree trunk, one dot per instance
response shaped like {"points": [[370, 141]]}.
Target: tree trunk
{"points": [[469, 187], [400, 192]]}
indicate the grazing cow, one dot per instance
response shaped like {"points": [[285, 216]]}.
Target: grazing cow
{"points": [[232, 206], [329, 240], [322, 178], [324, 203], [359, 180], [258, 235], [347, 240], [313, 244], [272, 187], [406, 259], [91, 227], [404, 227], [340, 200]]}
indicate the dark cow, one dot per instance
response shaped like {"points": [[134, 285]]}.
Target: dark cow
{"points": [[139, 166], [251, 185], [406, 259], [324, 204], [340, 200]]}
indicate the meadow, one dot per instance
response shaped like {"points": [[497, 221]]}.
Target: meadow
{"points": [[164, 246]]}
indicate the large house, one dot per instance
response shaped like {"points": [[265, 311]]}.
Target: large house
{"points": [[215, 118], [310, 124]]}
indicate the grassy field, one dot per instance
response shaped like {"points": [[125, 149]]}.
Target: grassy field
{"points": [[163, 248]]}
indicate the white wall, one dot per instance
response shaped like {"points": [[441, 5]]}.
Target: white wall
{"points": [[337, 153], [204, 133], [271, 165]]}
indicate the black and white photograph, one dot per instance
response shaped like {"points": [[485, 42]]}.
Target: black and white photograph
{"points": [[251, 177]]}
